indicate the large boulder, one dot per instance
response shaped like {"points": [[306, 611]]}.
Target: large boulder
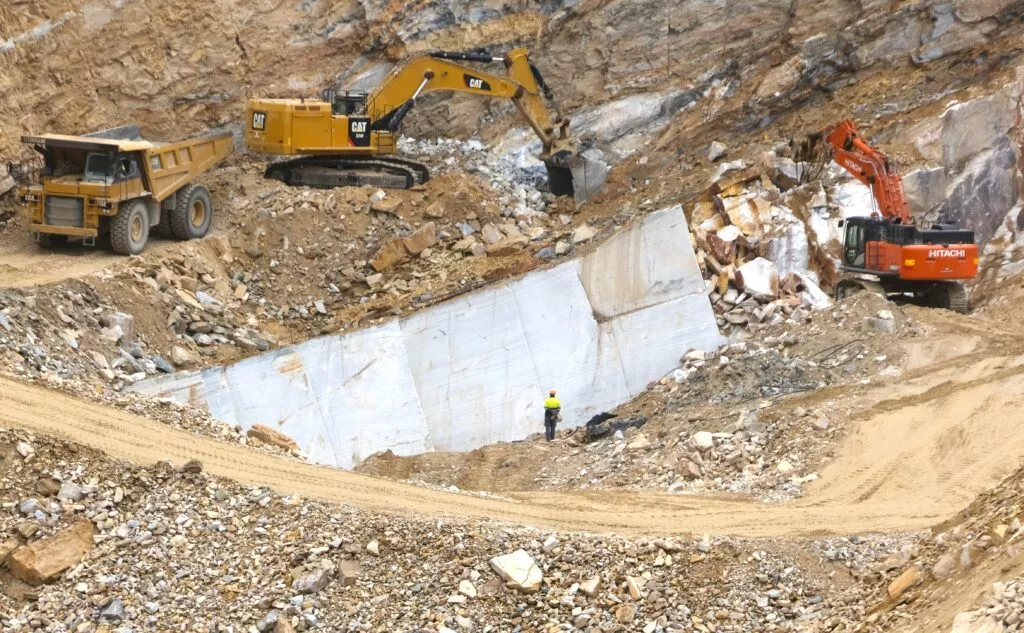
{"points": [[758, 278]]}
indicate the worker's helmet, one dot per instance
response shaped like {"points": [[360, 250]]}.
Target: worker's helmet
{"points": [[552, 393]]}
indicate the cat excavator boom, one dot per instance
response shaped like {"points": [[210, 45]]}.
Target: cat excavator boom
{"points": [[350, 138], [886, 252]]}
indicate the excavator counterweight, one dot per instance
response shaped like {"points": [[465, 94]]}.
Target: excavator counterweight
{"points": [[887, 252], [350, 138]]}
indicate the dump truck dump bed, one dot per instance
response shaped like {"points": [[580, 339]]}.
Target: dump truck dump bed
{"points": [[174, 165]]}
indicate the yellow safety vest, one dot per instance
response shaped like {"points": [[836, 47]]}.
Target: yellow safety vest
{"points": [[552, 403]]}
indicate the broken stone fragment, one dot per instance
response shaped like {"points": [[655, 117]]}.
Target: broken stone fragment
{"points": [[590, 585], [192, 466], [181, 357], [688, 469], [386, 206], [389, 255], [519, 570], [467, 588], [43, 561], [583, 233], [435, 210], [905, 581], [124, 321], [635, 586], [70, 491], [758, 278], [945, 566], [464, 245], [422, 239], [507, 246], [348, 572], [703, 441], [273, 437], [311, 581], [716, 150]]}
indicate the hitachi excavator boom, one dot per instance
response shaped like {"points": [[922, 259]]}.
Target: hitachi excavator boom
{"points": [[350, 138]]}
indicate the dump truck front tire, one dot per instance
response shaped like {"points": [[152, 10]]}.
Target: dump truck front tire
{"points": [[192, 216], [129, 229]]}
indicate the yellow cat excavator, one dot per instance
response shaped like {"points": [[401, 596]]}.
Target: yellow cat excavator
{"points": [[349, 138]]}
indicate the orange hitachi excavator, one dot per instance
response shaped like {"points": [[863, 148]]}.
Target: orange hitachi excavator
{"points": [[885, 252]]}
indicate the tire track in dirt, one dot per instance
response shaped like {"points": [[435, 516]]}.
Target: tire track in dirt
{"points": [[891, 474]]}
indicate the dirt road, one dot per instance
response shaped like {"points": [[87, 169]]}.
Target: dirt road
{"points": [[921, 454], [24, 264]]}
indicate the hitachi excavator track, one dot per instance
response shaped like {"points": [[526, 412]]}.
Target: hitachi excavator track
{"points": [[947, 295], [327, 172]]}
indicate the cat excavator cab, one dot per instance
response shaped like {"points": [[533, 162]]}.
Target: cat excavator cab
{"points": [[349, 138], [887, 252]]}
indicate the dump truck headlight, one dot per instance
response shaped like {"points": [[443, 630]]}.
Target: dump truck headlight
{"points": [[975, 261], [910, 263]]}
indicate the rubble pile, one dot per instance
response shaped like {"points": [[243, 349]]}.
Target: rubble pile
{"points": [[722, 422], [754, 250], [71, 338], [1002, 611], [90, 544], [296, 263], [517, 179], [70, 331]]}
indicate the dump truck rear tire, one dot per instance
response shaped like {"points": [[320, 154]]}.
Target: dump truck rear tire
{"points": [[129, 229], [192, 215]]}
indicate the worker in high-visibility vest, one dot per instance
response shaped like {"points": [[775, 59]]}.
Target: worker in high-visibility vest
{"points": [[552, 411]]}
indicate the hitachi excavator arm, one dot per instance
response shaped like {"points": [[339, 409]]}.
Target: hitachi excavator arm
{"points": [[846, 146]]}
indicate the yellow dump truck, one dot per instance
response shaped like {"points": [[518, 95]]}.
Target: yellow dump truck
{"points": [[114, 183]]}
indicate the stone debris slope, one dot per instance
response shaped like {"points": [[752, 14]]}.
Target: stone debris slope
{"points": [[92, 544]]}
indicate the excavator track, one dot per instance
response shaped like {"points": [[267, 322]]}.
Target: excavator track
{"points": [[951, 296], [850, 286], [328, 172]]}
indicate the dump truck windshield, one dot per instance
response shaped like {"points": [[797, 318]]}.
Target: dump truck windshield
{"points": [[98, 166]]}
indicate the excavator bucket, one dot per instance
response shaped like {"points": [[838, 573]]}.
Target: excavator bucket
{"points": [[575, 175]]}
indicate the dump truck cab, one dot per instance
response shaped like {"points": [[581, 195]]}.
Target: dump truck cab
{"points": [[113, 182], [83, 181]]}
